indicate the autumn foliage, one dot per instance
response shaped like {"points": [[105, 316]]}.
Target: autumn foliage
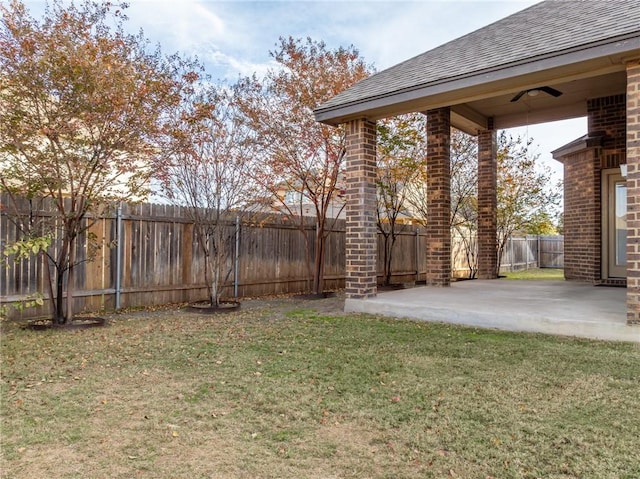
{"points": [[401, 175], [90, 114], [208, 165], [81, 106], [302, 161]]}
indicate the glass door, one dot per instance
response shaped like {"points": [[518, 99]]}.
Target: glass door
{"points": [[617, 226]]}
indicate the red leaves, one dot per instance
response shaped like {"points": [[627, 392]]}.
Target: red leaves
{"points": [[85, 102]]}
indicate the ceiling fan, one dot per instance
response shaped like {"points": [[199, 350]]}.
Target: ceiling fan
{"points": [[534, 91]]}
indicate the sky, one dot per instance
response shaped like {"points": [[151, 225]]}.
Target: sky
{"points": [[234, 38]]}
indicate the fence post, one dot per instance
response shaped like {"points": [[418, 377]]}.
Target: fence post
{"points": [[118, 284], [512, 256], [417, 257], [236, 266]]}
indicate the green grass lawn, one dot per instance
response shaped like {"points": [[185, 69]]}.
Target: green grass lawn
{"points": [[536, 274], [272, 392]]}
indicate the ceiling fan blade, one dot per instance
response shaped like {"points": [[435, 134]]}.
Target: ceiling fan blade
{"points": [[519, 95], [550, 91]]}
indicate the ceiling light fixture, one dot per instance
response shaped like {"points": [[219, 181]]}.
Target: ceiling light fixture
{"points": [[535, 91]]}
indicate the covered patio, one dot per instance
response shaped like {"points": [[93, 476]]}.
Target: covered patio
{"points": [[565, 308], [552, 61]]}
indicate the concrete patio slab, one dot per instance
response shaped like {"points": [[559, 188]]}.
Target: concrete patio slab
{"points": [[553, 307]]}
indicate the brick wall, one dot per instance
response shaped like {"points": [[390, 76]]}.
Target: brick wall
{"points": [[438, 197], [605, 148], [487, 205], [607, 117], [361, 236], [633, 191], [582, 215]]}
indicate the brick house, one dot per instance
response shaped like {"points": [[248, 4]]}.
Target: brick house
{"points": [[552, 61]]}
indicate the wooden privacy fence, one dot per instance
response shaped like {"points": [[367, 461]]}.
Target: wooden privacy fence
{"points": [[533, 252], [148, 255]]}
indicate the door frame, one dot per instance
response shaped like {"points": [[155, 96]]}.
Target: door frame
{"points": [[610, 177]]}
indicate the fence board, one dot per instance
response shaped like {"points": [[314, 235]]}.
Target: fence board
{"points": [[552, 251], [161, 261]]}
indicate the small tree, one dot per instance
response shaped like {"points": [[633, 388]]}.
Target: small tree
{"points": [[464, 191], [544, 223], [208, 170], [81, 104], [463, 219], [525, 194], [300, 157], [400, 155], [526, 199]]}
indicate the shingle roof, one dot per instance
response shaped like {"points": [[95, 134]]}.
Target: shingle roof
{"points": [[547, 29]]}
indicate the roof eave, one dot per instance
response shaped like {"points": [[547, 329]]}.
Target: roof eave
{"points": [[573, 64], [590, 140]]}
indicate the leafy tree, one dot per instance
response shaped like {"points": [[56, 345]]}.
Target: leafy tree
{"points": [[208, 168], [400, 158], [300, 157], [464, 185], [560, 223], [81, 106], [416, 194], [526, 197], [464, 195]]}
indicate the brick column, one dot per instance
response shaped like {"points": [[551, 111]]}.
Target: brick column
{"points": [[583, 213], [487, 204], [362, 236], [438, 197], [633, 192]]}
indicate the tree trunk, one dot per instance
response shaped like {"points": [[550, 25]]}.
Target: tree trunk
{"points": [[207, 275], [307, 257], [318, 277], [58, 318], [49, 279], [70, 279], [469, 252], [501, 245], [203, 242], [61, 266], [215, 273], [215, 285], [386, 261], [389, 257]]}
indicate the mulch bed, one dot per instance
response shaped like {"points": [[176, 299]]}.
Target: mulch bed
{"points": [[79, 322], [205, 307]]}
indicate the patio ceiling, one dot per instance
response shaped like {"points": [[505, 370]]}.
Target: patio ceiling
{"points": [[479, 74], [473, 112]]}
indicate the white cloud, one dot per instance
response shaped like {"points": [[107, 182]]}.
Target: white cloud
{"points": [[177, 26], [233, 38]]}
